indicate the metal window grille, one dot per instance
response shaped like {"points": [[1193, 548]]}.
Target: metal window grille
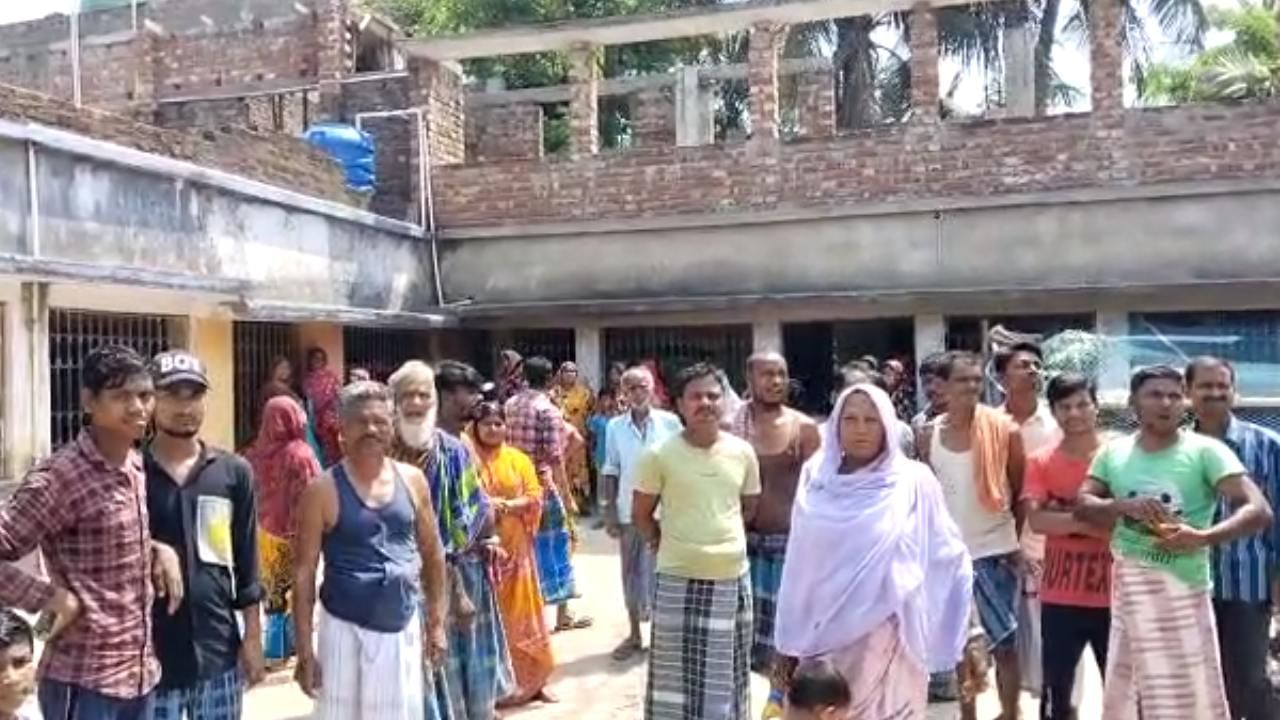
{"points": [[382, 350], [256, 345], [1249, 339], [554, 344], [815, 351], [969, 333], [73, 334], [674, 348]]}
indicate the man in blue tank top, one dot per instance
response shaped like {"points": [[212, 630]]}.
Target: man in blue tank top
{"points": [[477, 671], [372, 519]]}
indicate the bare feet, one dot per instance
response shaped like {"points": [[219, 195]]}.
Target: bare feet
{"points": [[544, 696]]}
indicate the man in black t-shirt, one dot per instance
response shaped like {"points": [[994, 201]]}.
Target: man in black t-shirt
{"points": [[201, 503]]}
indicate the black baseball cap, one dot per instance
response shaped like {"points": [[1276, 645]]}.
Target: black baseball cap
{"points": [[178, 366]]}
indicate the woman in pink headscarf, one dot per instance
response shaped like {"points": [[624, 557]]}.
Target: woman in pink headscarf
{"points": [[877, 579], [321, 387]]}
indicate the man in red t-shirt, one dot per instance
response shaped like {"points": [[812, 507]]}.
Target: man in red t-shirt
{"points": [[1075, 592]]}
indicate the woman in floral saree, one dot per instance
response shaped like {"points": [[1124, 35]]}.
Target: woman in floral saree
{"points": [[515, 494]]}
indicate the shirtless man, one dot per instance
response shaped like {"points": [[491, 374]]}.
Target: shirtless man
{"points": [[783, 439]]}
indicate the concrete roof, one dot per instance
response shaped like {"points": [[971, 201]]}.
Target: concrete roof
{"points": [[627, 29]]}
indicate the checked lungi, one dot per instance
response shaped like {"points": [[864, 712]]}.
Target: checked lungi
{"points": [[638, 573], [766, 553], [700, 650], [1162, 659], [553, 550], [478, 664], [218, 698], [996, 592]]}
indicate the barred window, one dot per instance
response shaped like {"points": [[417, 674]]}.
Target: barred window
{"points": [[674, 348], [1249, 339], [382, 351], [256, 346], [73, 334]]}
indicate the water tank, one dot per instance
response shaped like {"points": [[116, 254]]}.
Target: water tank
{"points": [[351, 148]]}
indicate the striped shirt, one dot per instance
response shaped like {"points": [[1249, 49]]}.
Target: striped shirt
{"points": [[1243, 568]]}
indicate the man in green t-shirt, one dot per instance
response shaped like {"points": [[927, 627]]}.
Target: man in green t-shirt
{"points": [[1157, 490], [708, 483]]}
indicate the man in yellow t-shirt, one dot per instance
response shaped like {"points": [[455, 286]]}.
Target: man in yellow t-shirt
{"points": [[708, 484]]}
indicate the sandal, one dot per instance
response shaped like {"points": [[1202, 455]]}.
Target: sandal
{"points": [[627, 650], [574, 623]]}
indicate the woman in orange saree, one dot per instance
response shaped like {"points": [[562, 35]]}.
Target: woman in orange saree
{"points": [[515, 494]]}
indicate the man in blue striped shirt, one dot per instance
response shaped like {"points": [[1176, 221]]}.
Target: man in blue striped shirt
{"points": [[1243, 569]]}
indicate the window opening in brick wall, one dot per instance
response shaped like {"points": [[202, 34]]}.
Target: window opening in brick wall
{"points": [[256, 346], [674, 348], [73, 334], [382, 351]]}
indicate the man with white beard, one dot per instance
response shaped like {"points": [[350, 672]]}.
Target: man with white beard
{"points": [[477, 672]]}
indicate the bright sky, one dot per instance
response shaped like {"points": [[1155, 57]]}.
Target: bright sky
{"points": [[15, 11]]}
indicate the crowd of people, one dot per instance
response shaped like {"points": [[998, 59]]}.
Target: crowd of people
{"points": [[406, 539]]}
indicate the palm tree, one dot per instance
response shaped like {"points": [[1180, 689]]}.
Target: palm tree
{"points": [[1183, 22], [1247, 67]]}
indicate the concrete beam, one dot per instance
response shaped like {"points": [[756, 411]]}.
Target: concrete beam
{"points": [[629, 85], [306, 312], [626, 30]]}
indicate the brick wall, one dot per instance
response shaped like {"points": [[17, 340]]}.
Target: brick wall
{"points": [[276, 159], [274, 45], [107, 71], [504, 132], [815, 103], [935, 160], [289, 113], [235, 58], [653, 118]]}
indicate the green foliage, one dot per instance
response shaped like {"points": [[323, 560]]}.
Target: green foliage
{"points": [[1247, 67]]}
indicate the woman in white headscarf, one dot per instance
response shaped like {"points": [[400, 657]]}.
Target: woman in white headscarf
{"points": [[877, 579]]}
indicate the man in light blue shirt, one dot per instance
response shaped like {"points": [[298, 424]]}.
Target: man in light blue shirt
{"points": [[626, 438]]}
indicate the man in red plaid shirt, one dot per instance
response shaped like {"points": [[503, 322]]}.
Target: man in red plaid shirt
{"points": [[85, 509]]}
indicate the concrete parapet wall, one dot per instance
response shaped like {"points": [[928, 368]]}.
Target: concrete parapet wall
{"points": [[274, 159]]}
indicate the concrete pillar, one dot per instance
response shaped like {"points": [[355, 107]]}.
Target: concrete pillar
{"points": [[762, 78], [924, 63], [695, 123], [1106, 56], [588, 353], [584, 101], [1113, 376], [930, 339], [766, 335], [211, 341], [1020, 70], [26, 377]]}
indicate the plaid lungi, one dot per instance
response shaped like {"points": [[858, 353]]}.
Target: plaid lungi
{"points": [[218, 698], [1162, 658], [700, 650], [478, 664], [638, 573], [553, 551], [996, 591], [766, 553]]}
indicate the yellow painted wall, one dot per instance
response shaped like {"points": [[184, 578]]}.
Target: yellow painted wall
{"points": [[327, 337], [211, 341]]}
